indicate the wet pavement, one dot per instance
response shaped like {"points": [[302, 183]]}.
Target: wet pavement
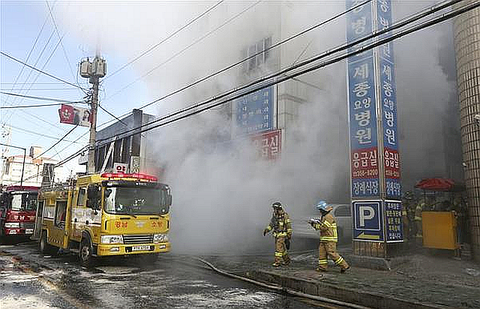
{"points": [[436, 280], [29, 280]]}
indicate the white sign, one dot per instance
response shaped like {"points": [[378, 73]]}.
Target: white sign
{"points": [[120, 167]]}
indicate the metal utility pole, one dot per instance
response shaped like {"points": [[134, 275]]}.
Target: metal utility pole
{"points": [[94, 71], [24, 155]]}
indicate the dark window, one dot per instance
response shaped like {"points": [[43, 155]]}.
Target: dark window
{"points": [[342, 211], [60, 214], [40, 209], [261, 53], [81, 197]]}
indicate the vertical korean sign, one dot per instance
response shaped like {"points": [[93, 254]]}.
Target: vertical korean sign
{"points": [[362, 107], [387, 90], [375, 162]]}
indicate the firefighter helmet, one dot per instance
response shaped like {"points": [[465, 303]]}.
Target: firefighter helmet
{"points": [[277, 205], [322, 205]]}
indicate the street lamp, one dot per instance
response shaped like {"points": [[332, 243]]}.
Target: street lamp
{"points": [[24, 155]]}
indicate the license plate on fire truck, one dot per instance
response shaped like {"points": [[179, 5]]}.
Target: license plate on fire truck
{"points": [[28, 231], [141, 248]]}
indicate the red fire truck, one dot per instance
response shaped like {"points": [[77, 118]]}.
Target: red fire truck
{"points": [[17, 211]]}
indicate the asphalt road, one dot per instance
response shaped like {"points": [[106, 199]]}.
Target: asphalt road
{"points": [[29, 280]]}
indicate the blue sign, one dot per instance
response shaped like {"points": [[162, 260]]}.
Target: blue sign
{"points": [[394, 221], [368, 220], [255, 111], [365, 187], [359, 24], [361, 96]]}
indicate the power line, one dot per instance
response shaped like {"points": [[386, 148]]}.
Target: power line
{"points": [[36, 98], [56, 143], [164, 40], [44, 65], [348, 54], [346, 46], [39, 134], [186, 48], [249, 57], [40, 89], [30, 72], [29, 53], [40, 71], [60, 40], [33, 106]]}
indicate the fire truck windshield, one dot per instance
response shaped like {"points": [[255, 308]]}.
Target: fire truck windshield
{"points": [[136, 200], [24, 201]]}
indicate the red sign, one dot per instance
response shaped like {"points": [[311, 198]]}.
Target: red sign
{"points": [[268, 144], [75, 115], [365, 163], [392, 164]]}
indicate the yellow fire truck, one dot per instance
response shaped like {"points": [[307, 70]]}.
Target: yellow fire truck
{"points": [[109, 214]]}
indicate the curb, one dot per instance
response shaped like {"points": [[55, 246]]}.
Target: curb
{"points": [[318, 288]]}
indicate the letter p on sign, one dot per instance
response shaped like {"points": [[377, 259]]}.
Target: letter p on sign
{"points": [[366, 213]]}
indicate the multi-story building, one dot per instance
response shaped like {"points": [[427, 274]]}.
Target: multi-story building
{"points": [[31, 166]]}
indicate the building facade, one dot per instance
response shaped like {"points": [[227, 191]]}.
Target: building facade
{"points": [[467, 49], [32, 170]]}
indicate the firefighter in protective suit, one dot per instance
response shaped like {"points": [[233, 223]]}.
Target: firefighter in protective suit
{"points": [[282, 231], [328, 239]]}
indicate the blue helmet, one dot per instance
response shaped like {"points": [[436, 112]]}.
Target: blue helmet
{"points": [[322, 205]]}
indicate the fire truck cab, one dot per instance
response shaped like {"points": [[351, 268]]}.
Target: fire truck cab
{"points": [[17, 211], [109, 214]]}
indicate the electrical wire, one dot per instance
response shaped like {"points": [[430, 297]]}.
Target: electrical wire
{"points": [[56, 143], [186, 48], [265, 79], [33, 106], [29, 54], [39, 134], [36, 98], [412, 29], [106, 111], [249, 57], [63, 47], [43, 67], [164, 40], [40, 71]]}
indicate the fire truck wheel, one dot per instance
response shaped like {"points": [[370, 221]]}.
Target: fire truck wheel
{"points": [[86, 252], [45, 248]]}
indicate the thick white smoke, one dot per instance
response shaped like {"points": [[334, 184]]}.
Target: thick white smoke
{"points": [[222, 192]]}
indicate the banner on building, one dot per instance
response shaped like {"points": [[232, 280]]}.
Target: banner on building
{"points": [[75, 115], [255, 111]]}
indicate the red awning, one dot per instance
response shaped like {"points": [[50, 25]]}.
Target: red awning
{"points": [[439, 184]]}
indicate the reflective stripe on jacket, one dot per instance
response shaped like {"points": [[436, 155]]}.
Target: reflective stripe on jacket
{"points": [[327, 228], [418, 211], [281, 225]]}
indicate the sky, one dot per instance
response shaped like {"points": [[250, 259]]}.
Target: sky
{"points": [[28, 31]]}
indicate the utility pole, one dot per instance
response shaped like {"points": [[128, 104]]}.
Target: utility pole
{"points": [[93, 126], [94, 71]]}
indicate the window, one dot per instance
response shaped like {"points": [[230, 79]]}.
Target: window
{"points": [[259, 48], [343, 211], [60, 214], [81, 197]]}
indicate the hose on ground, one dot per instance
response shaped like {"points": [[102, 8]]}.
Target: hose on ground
{"points": [[282, 289]]}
